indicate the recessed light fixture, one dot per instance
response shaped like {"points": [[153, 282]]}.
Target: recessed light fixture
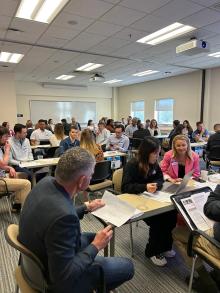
{"points": [[167, 33], [216, 55], [112, 81], [40, 10], [89, 67], [143, 73], [10, 57], [65, 77]]}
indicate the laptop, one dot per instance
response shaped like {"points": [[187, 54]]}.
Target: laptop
{"points": [[177, 188]]}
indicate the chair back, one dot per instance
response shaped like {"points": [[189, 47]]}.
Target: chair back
{"points": [[117, 179], [214, 154], [102, 171], [135, 142], [51, 152], [32, 269]]}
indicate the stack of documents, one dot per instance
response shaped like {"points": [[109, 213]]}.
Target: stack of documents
{"points": [[159, 196], [116, 211]]}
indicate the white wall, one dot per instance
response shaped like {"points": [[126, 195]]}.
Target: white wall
{"points": [[27, 91], [8, 107], [184, 89]]}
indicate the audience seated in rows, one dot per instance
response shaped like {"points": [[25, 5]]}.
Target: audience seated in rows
{"points": [[50, 228], [40, 134], [201, 133], [87, 141], [118, 141], [21, 187], [70, 141], [141, 174]]}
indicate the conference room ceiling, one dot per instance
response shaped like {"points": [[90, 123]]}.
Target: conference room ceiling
{"points": [[105, 32]]}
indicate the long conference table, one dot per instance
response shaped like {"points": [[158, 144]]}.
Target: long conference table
{"points": [[48, 162]]}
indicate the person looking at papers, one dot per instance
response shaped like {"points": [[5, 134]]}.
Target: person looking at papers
{"points": [[141, 174], [50, 228], [180, 160]]}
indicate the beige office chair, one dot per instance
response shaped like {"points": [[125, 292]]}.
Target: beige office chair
{"points": [[4, 193], [30, 272], [196, 252], [117, 180]]}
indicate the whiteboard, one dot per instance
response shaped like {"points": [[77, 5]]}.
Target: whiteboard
{"points": [[57, 110]]}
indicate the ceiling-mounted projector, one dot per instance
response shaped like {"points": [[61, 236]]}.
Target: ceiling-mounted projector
{"points": [[193, 47], [96, 78]]}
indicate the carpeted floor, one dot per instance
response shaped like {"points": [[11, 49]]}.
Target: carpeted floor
{"points": [[148, 277]]}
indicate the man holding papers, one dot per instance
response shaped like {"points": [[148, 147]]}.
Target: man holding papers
{"points": [[144, 174], [50, 228]]}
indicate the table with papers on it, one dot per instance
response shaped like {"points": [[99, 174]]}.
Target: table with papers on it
{"points": [[38, 164], [40, 146]]}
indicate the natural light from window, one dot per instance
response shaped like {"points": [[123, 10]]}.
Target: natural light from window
{"points": [[163, 111], [137, 110]]}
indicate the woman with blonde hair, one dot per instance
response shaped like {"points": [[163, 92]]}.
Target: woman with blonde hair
{"points": [[87, 141], [58, 135], [180, 160]]}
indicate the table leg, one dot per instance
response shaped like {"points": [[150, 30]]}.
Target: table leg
{"points": [[112, 243]]}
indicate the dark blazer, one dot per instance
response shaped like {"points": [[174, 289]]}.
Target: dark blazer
{"points": [[49, 226], [133, 181], [141, 133], [213, 141]]}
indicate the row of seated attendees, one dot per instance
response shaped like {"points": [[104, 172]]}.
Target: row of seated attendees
{"points": [[142, 173]]}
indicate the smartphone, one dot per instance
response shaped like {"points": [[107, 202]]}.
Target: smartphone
{"points": [[197, 179]]}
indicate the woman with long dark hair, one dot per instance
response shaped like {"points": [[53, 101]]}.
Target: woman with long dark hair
{"points": [[141, 174]]}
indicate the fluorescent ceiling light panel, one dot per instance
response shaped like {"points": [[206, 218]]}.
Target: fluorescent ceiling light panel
{"points": [[65, 77], [216, 55], [167, 33], [143, 73], [112, 81], [89, 67], [10, 57], [40, 10]]}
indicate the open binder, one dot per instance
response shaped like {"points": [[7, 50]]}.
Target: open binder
{"points": [[190, 205]]}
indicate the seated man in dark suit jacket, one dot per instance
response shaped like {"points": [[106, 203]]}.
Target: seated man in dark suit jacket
{"points": [[214, 139], [49, 227]]}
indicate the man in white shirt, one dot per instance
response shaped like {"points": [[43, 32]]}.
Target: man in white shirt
{"points": [[130, 129], [102, 134], [40, 134], [20, 149]]}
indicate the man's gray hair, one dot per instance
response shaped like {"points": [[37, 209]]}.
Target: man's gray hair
{"points": [[73, 163]]}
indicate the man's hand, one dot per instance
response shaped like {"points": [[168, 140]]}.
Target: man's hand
{"points": [[177, 180], [12, 172], [94, 205], [102, 238], [7, 147], [151, 187]]}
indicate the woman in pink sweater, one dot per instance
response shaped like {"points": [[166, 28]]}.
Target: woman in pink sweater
{"points": [[180, 160]]}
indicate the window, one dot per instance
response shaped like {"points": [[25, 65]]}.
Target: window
{"points": [[137, 110], [163, 111]]}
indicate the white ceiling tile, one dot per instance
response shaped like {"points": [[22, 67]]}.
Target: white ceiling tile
{"points": [[84, 41], [8, 7], [52, 41], [104, 28], [177, 9], [129, 34], [214, 27], [129, 50], [72, 21], [88, 8], [150, 23], [202, 18], [143, 5], [29, 26], [15, 48], [206, 3], [109, 46], [22, 36], [122, 16], [4, 22], [61, 32]]}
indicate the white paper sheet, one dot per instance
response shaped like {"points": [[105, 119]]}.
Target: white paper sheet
{"points": [[115, 211], [159, 195]]}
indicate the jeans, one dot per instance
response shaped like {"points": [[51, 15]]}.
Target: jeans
{"points": [[117, 270]]}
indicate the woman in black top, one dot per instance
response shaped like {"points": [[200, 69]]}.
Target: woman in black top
{"points": [[144, 174]]}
